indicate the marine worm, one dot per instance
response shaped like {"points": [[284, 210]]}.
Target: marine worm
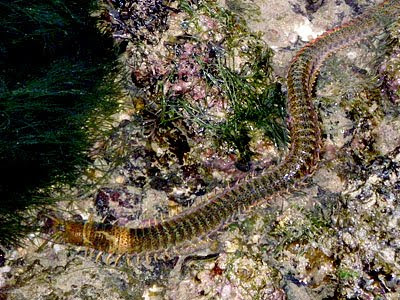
{"points": [[302, 158]]}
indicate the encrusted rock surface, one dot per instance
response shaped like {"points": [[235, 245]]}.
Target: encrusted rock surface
{"points": [[336, 237]]}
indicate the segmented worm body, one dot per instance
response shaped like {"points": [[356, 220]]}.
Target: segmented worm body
{"points": [[301, 160]]}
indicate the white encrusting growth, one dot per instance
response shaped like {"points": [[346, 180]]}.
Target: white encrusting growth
{"points": [[306, 32]]}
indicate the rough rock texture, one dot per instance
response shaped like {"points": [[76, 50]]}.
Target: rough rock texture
{"points": [[336, 237]]}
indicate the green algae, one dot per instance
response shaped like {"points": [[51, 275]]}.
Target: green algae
{"points": [[241, 73], [347, 274], [57, 83]]}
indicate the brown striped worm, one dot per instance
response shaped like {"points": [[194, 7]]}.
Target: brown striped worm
{"points": [[300, 162]]}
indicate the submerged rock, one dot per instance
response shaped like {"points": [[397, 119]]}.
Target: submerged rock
{"points": [[335, 237]]}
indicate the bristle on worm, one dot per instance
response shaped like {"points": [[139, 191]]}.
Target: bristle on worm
{"points": [[299, 163]]}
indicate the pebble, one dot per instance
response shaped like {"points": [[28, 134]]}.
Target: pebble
{"points": [[120, 179], [3, 270]]}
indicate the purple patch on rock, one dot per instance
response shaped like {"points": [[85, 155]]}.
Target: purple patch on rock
{"points": [[115, 196], [102, 201]]}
